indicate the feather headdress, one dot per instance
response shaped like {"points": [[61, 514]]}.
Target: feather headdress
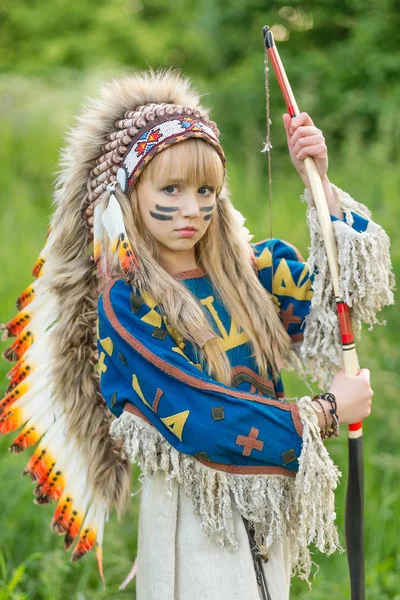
{"points": [[54, 385]]}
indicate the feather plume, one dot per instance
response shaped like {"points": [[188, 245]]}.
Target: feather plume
{"points": [[38, 270], [113, 222], [28, 388], [100, 260], [32, 331], [70, 421], [36, 355], [29, 293], [40, 305]]}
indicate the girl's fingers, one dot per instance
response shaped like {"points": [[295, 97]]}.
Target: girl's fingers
{"points": [[365, 373], [312, 140], [305, 131], [91, 221], [301, 119], [317, 151]]}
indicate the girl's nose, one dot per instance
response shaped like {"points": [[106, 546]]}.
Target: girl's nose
{"points": [[190, 206]]}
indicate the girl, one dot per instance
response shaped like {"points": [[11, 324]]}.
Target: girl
{"points": [[193, 325]]}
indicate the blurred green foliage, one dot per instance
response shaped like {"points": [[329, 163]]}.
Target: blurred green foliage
{"points": [[342, 57]]}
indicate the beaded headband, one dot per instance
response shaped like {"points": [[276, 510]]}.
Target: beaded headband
{"points": [[159, 135]]}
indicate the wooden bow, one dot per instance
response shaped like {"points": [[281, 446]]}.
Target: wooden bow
{"points": [[354, 519]]}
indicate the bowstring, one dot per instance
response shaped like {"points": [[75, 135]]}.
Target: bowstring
{"points": [[267, 148]]}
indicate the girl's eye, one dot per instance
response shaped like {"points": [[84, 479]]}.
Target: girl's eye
{"points": [[170, 189], [205, 191]]}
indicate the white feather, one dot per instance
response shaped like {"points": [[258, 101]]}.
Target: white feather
{"points": [[113, 222]]}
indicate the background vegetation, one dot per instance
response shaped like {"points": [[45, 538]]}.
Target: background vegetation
{"points": [[342, 57]]}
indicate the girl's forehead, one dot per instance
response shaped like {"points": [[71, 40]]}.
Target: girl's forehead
{"points": [[178, 179], [192, 162]]}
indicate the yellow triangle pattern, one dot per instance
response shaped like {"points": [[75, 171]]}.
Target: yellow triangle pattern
{"points": [[284, 284], [176, 423], [148, 300], [138, 390], [102, 364], [107, 345], [152, 318], [265, 259]]}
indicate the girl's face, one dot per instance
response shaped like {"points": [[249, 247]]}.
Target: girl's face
{"points": [[175, 211], [177, 195]]}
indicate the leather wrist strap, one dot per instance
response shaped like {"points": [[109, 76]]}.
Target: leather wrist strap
{"points": [[331, 430]]}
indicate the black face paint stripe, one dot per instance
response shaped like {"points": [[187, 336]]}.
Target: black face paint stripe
{"points": [[207, 208], [167, 209], [161, 217], [208, 217]]}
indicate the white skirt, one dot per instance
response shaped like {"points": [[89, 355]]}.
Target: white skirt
{"points": [[177, 561]]}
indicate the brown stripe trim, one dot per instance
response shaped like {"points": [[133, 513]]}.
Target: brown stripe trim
{"points": [[175, 371], [235, 469], [296, 418], [135, 411], [191, 274], [297, 337], [241, 373], [156, 402]]}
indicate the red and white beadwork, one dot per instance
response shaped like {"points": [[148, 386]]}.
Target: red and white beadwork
{"points": [[158, 136]]}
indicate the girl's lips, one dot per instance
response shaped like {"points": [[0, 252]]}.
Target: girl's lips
{"points": [[187, 232]]}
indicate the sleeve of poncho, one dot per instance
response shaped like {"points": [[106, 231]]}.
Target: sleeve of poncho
{"points": [[143, 370], [303, 292]]}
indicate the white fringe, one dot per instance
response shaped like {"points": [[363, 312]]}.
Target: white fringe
{"points": [[366, 285], [300, 508]]}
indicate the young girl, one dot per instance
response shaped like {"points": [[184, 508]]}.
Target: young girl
{"points": [[193, 325]]}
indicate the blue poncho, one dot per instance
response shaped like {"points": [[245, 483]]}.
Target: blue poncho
{"points": [[246, 428]]}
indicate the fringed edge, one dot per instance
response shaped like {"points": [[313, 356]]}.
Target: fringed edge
{"points": [[366, 284], [300, 509]]}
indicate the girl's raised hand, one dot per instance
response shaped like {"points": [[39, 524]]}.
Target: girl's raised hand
{"points": [[304, 139]]}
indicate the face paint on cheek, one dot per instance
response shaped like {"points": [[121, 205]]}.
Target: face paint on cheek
{"points": [[167, 209], [208, 209], [161, 209], [160, 217]]}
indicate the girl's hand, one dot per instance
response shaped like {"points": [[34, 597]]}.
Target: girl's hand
{"points": [[304, 139], [353, 396]]}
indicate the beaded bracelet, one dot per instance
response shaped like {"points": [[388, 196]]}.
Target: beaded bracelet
{"points": [[333, 429]]}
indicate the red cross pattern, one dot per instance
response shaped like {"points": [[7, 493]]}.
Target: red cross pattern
{"points": [[250, 442], [288, 317]]}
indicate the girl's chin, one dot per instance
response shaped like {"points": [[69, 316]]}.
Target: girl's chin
{"points": [[178, 245]]}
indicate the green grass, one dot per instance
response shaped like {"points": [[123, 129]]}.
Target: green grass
{"points": [[33, 564]]}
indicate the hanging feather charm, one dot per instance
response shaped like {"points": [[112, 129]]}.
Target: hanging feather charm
{"points": [[99, 255], [113, 222]]}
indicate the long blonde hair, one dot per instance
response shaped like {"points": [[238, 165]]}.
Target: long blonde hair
{"points": [[225, 255]]}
